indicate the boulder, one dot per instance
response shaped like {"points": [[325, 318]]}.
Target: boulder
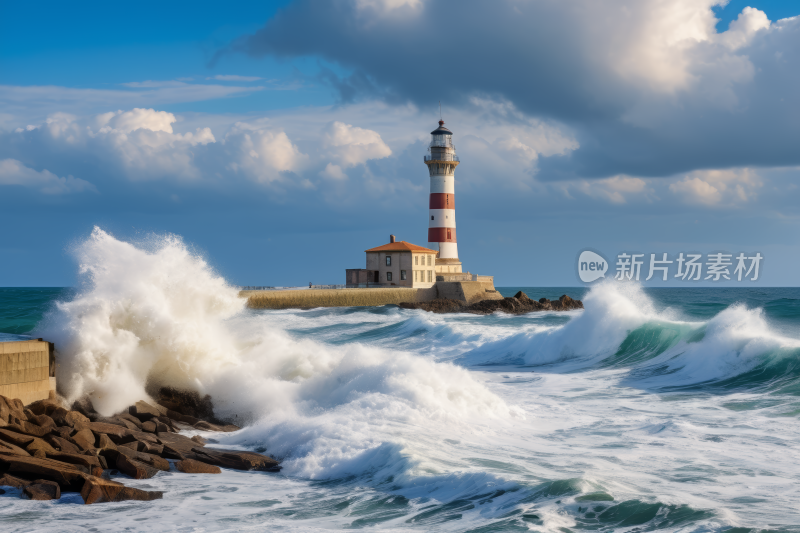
{"points": [[134, 468], [438, 305], [68, 476], [105, 443], [115, 431], [99, 490], [187, 403], [61, 445], [84, 439], [167, 422], [144, 411], [116, 421], [565, 303], [42, 421], [523, 298], [42, 489], [43, 407], [176, 446], [84, 407], [11, 481], [39, 444], [132, 419], [63, 432], [90, 462], [208, 426], [75, 417], [236, 459], [7, 447], [149, 426], [14, 437], [28, 428], [147, 458], [59, 416], [191, 466], [200, 440]]}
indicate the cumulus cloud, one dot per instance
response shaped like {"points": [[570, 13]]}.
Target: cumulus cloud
{"points": [[13, 172], [647, 88], [136, 119], [352, 145], [616, 190], [262, 153], [715, 187]]}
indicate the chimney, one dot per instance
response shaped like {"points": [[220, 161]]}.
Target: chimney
{"points": [[391, 238]]}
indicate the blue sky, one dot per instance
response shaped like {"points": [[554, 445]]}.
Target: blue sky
{"points": [[281, 139]]}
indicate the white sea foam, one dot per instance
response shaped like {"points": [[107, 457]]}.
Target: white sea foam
{"points": [[161, 315]]}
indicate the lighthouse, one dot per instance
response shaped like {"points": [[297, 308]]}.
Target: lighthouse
{"points": [[442, 162]]}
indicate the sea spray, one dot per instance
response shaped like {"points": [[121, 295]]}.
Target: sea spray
{"points": [[160, 316], [140, 314]]}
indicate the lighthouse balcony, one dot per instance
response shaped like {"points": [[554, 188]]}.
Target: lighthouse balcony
{"points": [[441, 157]]}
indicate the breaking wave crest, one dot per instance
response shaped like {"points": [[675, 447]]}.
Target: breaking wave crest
{"points": [[156, 314], [621, 328]]}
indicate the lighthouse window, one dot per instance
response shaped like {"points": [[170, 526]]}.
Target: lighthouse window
{"points": [[388, 261], [403, 275], [431, 217], [388, 276], [448, 235]]}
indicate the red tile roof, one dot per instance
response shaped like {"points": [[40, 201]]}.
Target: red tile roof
{"points": [[401, 246]]}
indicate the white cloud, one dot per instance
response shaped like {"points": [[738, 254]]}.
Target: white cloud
{"points": [[353, 146], [742, 30], [137, 118], [262, 152], [333, 172], [615, 190], [13, 172], [718, 187]]}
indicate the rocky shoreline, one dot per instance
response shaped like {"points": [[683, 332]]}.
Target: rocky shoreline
{"points": [[518, 304], [46, 449]]}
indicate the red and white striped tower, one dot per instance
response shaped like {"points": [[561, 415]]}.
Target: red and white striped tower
{"points": [[442, 162]]}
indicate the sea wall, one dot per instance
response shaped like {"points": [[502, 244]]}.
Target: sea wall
{"points": [[468, 292], [308, 298], [27, 370]]}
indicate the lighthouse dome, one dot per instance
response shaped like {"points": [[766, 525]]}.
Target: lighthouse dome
{"points": [[441, 130]]}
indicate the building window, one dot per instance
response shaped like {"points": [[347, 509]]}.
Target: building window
{"points": [[403, 275], [388, 260], [429, 275], [388, 276], [416, 259], [429, 260], [416, 277]]}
